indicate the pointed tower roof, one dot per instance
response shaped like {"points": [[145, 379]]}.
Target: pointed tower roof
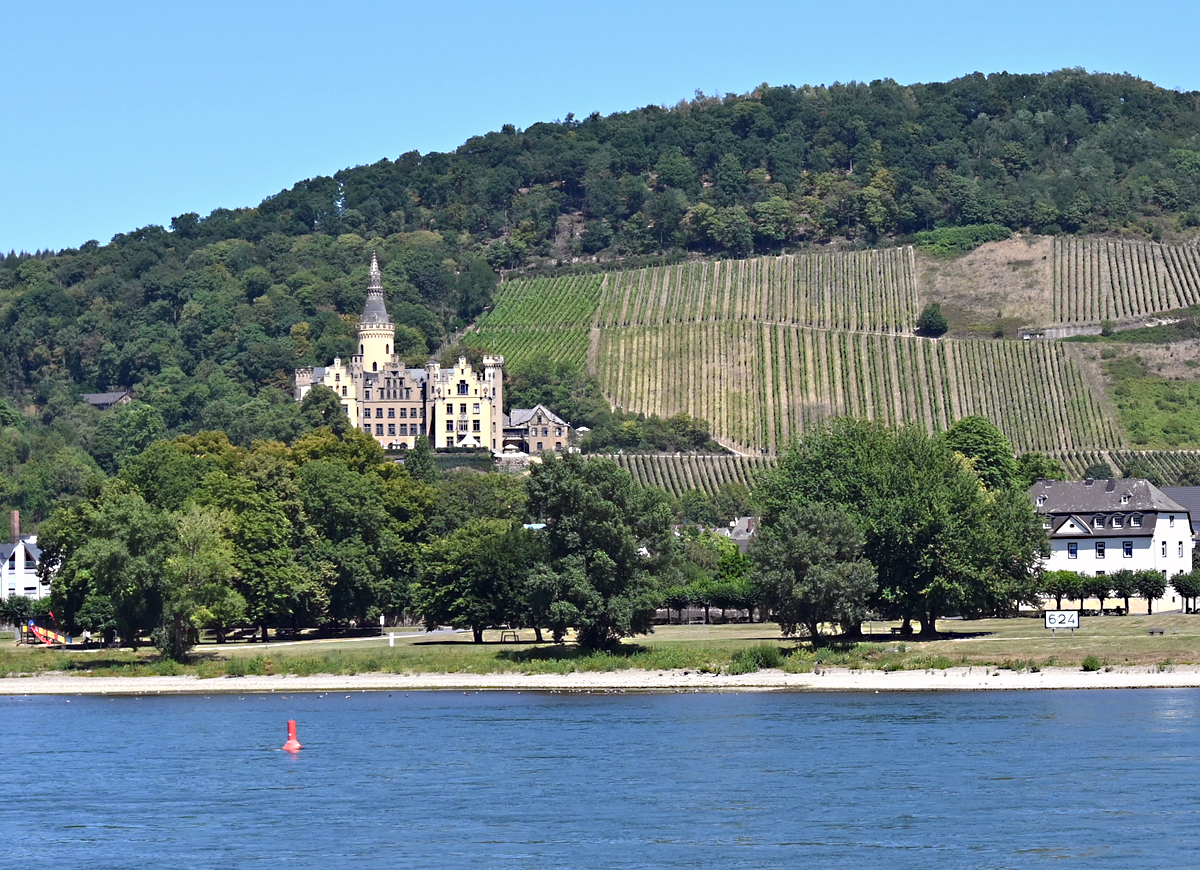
{"points": [[375, 311]]}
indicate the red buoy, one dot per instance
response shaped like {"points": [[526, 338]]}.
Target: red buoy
{"points": [[292, 745]]}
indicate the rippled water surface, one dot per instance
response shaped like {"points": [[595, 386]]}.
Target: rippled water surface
{"points": [[980, 780]]}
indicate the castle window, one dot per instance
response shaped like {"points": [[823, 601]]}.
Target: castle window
{"points": [[391, 428], [449, 425], [462, 409], [387, 348], [367, 395], [404, 412], [337, 379], [403, 428], [344, 393], [474, 425], [558, 446], [379, 413], [374, 366], [539, 447], [367, 428], [450, 409], [558, 431], [378, 428], [462, 388], [475, 408], [360, 349], [391, 413]]}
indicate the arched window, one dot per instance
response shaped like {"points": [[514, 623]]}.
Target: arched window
{"points": [[374, 366], [360, 349], [387, 348]]}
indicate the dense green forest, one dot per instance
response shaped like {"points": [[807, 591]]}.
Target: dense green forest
{"points": [[207, 318]]}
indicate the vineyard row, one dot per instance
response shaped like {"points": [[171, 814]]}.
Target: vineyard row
{"points": [[679, 472]]}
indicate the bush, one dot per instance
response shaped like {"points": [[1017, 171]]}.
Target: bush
{"points": [[951, 241], [1092, 663], [756, 658], [932, 322]]}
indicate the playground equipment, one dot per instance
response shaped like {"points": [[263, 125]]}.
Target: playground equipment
{"points": [[46, 636]]}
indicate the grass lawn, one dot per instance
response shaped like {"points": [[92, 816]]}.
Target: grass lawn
{"points": [[739, 648]]}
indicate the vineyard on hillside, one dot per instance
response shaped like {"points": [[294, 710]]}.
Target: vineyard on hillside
{"points": [[677, 473], [520, 345], [1099, 279], [862, 291], [759, 385], [1168, 463]]}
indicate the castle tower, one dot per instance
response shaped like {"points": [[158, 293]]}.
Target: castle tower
{"points": [[376, 334]]}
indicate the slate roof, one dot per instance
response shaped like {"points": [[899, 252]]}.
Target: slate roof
{"points": [[1084, 497], [6, 550], [1189, 497], [522, 416], [105, 400], [1084, 525]]}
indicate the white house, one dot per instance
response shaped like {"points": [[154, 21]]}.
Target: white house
{"points": [[1097, 527], [18, 569]]}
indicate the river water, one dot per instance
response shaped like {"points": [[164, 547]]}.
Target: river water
{"points": [[526, 780]]}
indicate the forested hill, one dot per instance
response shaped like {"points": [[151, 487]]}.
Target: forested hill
{"points": [[208, 318]]}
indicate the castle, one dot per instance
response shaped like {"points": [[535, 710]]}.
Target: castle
{"points": [[454, 407]]}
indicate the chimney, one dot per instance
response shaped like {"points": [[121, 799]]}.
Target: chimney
{"points": [[14, 525]]}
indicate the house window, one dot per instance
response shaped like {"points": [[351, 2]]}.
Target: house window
{"points": [[1136, 521], [391, 428], [1099, 549], [558, 446], [539, 446], [1041, 500], [449, 425], [1118, 522], [367, 428], [344, 393], [1099, 573], [403, 428], [391, 413], [1046, 523], [378, 428], [1127, 549], [450, 409], [1098, 521], [462, 409], [1181, 549], [345, 410], [475, 408], [558, 431], [1164, 548], [367, 395], [474, 425], [1171, 521]]}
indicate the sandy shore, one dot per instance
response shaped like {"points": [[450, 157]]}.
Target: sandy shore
{"points": [[829, 680]]}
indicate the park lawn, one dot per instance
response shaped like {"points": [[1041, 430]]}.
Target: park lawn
{"points": [[1020, 643]]}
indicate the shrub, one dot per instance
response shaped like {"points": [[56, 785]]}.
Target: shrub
{"points": [[756, 658], [1092, 663], [932, 322]]}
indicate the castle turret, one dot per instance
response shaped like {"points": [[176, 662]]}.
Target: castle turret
{"points": [[376, 334]]}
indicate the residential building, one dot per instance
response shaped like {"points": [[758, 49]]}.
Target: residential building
{"points": [[19, 562], [537, 430], [1098, 527]]}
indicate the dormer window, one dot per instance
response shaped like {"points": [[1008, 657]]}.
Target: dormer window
{"points": [[1098, 521], [1118, 522], [1125, 498], [1136, 521], [1041, 500]]}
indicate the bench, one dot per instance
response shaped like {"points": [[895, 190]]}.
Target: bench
{"points": [[1155, 631], [509, 637], [896, 629]]}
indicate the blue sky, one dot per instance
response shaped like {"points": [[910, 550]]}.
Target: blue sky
{"points": [[123, 114]]}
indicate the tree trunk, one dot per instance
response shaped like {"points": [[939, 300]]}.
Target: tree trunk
{"points": [[852, 630], [477, 634], [706, 614], [177, 640], [814, 633], [929, 625], [264, 633], [537, 633], [1126, 605], [1058, 602]]}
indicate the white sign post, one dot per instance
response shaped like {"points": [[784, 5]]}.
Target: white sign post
{"points": [[1056, 619]]}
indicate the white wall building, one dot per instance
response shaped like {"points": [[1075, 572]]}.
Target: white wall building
{"points": [[1098, 527], [18, 570]]}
